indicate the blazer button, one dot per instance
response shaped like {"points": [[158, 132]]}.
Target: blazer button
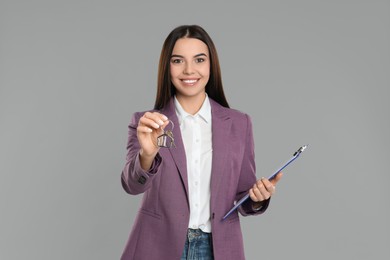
{"points": [[142, 180]]}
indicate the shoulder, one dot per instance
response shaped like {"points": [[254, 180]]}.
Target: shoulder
{"points": [[237, 114], [234, 114]]}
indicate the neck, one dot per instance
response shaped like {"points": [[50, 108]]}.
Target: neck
{"points": [[191, 104]]}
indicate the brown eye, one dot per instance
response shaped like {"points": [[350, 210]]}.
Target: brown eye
{"points": [[199, 60], [176, 61]]}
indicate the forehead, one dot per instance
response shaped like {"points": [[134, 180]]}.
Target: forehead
{"points": [[189, 47]]}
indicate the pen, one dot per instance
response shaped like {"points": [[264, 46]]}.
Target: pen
{"points": [[295, 156]]}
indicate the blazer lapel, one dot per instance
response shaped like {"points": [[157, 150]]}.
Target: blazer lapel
{"points": [[178, 153], [221, 124]]}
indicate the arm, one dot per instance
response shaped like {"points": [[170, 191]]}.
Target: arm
{"points": [[260, 191], [248, 173], [143, 160]]}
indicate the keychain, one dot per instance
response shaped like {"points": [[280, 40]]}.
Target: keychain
{"points": [[166, 139]]}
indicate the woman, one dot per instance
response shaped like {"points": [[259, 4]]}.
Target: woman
{"points": [[190, 186]]}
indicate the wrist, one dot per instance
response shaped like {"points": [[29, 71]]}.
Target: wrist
{"points": [[146, 160], [147, 155]]}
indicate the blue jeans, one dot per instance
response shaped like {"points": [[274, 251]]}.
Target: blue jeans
{"points": [[198, 246]]}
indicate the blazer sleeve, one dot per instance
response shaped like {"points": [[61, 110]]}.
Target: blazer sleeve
{"points": [[248, 174], [134, 179]]}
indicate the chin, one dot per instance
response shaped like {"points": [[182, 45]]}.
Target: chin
{"points": [[191, 93]]}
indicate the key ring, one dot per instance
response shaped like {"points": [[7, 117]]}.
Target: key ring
{"points": [[166, 140]]}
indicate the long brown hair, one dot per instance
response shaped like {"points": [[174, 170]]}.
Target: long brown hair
{"points": [[165, 88]]}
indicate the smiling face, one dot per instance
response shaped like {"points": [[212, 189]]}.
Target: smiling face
{"points": [[190, 69]]}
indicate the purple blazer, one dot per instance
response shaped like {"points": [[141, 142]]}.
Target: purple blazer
{"points": [[160, 228]]}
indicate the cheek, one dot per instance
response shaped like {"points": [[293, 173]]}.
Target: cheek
{"points": [[206, 74], [173, 71], [174, 77], [206, 71]]}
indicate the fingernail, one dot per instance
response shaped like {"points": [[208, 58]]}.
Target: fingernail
{"points": [[160, 122], [165, 118], [150, 130], [156, 125]]}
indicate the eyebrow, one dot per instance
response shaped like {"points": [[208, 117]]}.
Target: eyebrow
{"points": [[180, 56]]}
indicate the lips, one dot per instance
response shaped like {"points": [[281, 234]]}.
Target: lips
{"points": [[189, 82]]}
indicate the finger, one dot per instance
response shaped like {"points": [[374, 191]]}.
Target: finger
{"points": [[165, 124], [148, 122], [268, 185], [257, 192], [156, 117], [144, 129], [276, 178], [262, 189], [253, 196], [162, 116]]}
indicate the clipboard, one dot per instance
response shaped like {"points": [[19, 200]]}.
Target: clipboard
{"points": [[243, 199]]}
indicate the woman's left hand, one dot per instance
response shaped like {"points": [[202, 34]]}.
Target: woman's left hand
{"points": [[263, 189]]}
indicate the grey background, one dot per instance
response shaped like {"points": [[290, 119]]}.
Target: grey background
{"points": [[73, 72]]}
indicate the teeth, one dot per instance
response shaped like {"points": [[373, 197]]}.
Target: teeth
{"points": [[189, 81]]}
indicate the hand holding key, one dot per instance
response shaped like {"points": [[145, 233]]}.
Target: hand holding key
{"points": [[150, 126]]}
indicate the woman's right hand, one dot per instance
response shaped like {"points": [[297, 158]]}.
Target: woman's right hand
{"points": [[150, 126]]}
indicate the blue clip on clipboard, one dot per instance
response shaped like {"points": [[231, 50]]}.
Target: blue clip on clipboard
{"points": [[295, 156]]}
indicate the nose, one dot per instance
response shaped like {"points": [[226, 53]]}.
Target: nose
{"points": [[188, 69]]}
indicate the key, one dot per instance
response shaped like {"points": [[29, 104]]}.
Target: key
{"points": [[166, 140]]}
